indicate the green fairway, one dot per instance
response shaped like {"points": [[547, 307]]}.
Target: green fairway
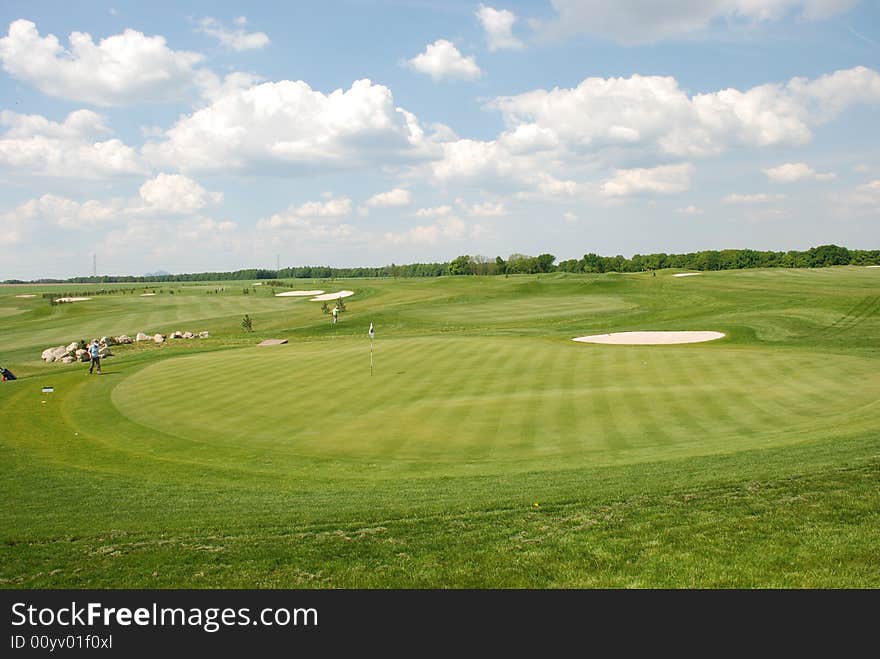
{"points": [[485, 448]]}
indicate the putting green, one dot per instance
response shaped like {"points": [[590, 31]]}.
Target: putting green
{"points": [[485, 404]]}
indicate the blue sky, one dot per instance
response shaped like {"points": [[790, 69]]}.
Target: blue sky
{"points": [[221, 135]]}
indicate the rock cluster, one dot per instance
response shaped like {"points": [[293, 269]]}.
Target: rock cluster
{"points": [[77, 351]]}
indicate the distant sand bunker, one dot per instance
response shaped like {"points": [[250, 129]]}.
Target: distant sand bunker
{"points": [[72, 299], [687, 274], [650, 338], [147, 294], [332, 296], [36, 296], [867, 266], [298, 293]]}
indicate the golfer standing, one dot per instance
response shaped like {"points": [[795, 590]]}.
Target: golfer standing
{"points": [[95, 354], [335, 314]]}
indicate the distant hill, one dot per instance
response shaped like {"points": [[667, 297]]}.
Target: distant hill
{"points": [[158, 273]]}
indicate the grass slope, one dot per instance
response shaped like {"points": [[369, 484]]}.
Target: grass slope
{"points": [[486, 450]]}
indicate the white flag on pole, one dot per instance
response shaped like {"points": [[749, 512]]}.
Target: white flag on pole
{"points": [[372, 334]]}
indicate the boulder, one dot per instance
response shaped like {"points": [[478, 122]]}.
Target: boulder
{"points": [[141, 337], [82, 355], [68, 359], [73, 346], [122, 339], [203, 335], [158, 338], [106, 340], [177, 335], [54, 354], [105, 352], [188, 335]]}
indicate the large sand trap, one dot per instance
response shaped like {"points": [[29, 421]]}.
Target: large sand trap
{"points": [[687, 274], [36, 296], [650, 338], [147, 294], [72, 299], [332, 296], [867, 266], [298, 293]]}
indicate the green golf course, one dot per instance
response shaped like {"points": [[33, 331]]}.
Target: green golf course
{"points": [[482, 449]]}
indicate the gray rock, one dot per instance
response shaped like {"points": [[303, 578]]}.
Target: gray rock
{"points": [[141, 337], [188, 335], [68, 359], [105, 352], [158, 338], [177, 335], [73, 346], [122, 339], [54, 354], [203, 335]]}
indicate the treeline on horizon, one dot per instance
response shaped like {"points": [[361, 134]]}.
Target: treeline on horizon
{"points": [[725, 259]]}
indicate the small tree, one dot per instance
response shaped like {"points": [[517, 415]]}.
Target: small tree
{"points": [[340, 304], [325, 308], [246, 324]]}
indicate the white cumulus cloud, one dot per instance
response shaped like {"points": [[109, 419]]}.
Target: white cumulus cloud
{"points": [[498, 24], [558, 142], [796, 171], [867, 194], [313, 216], [443, 61], [166, 198], [118, 70], [436, 211], [237, 38], [485, 209], [654, 112], [287, 126], [664, 179], [175, 193], [392, 198], [72, 148]]}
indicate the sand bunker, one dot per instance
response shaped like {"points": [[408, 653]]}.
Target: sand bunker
{"points": [[272, 342], [332, 296], [650, 338], [36, 296], [147, 294], [687, 274], [298, 293], [72, 299], [867, 266]]}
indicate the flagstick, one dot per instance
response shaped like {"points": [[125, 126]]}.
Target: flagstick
{"points": [[371, 356]]}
